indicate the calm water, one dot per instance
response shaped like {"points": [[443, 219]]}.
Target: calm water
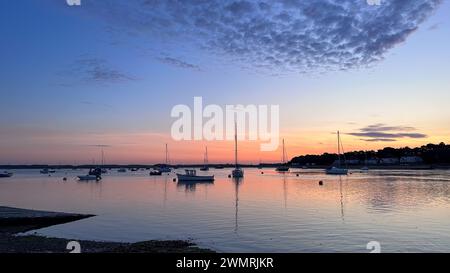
{"points": [[406, 211]]}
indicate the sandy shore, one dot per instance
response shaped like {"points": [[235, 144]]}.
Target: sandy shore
{"points": [[14, 221]]}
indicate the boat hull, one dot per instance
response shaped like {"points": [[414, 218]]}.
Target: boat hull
{"points": [[5, 175], [88, 178], [237, 173], [282, 169], [190, 178], [337, 171]]}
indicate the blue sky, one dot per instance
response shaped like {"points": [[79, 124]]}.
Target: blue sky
{"points": [[109, 72]]}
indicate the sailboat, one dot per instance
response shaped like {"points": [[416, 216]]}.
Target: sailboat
{"points": [[165, 168], [103, 170], [237, 172], [94, 174], [338, 170], [284, 167], [205, 161]]}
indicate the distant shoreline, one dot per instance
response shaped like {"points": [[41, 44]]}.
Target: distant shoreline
{"points": [[225, 166]]}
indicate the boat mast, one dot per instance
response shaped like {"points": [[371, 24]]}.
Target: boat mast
{"points": [[206, 156], [235, 145], [167, 156], [284, 154], [339, 149], [103, 158]]}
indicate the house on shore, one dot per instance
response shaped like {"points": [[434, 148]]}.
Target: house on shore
{"points": [[389, 161], [411, 160]]}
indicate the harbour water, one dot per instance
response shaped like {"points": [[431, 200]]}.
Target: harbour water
{"points": [[404, 210]]}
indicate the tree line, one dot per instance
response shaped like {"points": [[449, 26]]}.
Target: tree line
{"points": [[430, 154]]}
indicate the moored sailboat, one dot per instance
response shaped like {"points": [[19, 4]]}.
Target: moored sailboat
{"points": [[284, 167], [237, 172], [165, 168], [338, 170], [205, 161]]}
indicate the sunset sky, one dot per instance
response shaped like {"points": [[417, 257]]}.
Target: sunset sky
{"points": [[107, 74]]}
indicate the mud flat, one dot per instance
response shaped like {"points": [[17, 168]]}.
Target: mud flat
{"points": [[14, 221]]}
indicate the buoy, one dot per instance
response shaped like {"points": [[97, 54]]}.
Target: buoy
{"points": [[65, 179], [262, 172], [297, 175], [174, 180], [229, 176], [320, 183]]}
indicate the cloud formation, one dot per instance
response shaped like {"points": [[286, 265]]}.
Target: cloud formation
{"points": [[284, 35], [178, 63], [383, 133], [96, 70]]}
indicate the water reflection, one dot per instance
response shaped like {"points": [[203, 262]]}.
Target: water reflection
{"points": [[260, 213], [342, 199], [237, 182], [191, 186]]}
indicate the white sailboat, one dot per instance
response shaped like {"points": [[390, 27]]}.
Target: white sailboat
{"points": [[165, 168], [338, 170], [284, 167], [237, 172], [103, 163], [205, 161]]}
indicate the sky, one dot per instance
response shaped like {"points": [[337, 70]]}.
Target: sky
{"points": [[106, 74]]}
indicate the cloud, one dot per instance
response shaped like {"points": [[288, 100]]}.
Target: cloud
{"points": [[383, 133], [382, 127], [178, 63], [283, 35], [95, 70]]}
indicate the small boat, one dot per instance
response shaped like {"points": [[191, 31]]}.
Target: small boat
{"points": [[88, 177], [338, 170], [94, 174], [5, 174], [219, 167], [47, 171], [191, 175], [284, 167], [155, 172], [237, 172], [122, 170], [134, 169], [205, 160], [165, 169]]}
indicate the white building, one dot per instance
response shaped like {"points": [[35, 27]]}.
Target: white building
{"points": [[411, 160], [389, 161], [372, 161]]}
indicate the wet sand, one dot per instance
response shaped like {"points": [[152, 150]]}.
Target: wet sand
{"points": [[14, 221]]}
